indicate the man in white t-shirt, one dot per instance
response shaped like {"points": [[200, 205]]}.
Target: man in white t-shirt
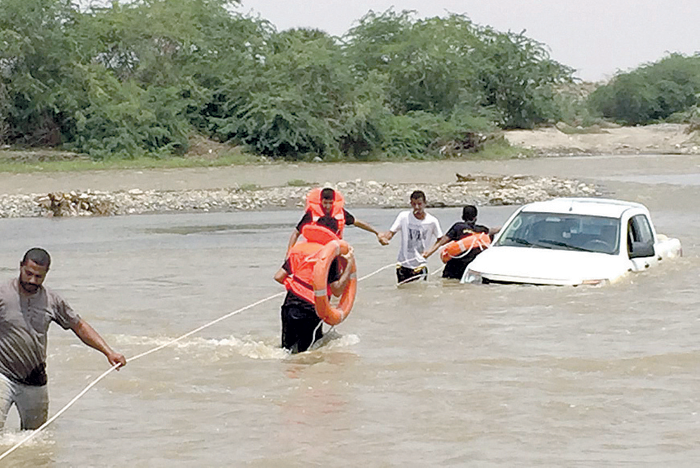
{"points": [[419, 230]]}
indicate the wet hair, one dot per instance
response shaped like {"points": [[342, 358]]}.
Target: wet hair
{"points": [[417, 195], [469, 213], [37, 255], [327, 194]]}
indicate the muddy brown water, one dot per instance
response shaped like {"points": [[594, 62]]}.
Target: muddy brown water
{"points": [[436, 374]]}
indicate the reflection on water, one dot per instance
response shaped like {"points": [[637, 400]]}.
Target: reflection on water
{"points": [[430, 374]]}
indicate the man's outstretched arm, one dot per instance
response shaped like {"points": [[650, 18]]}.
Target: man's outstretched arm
{"points": [[369, 228], [438, 243], [90, 337]]}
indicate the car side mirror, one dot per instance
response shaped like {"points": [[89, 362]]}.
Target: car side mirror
{"points": [[641, 249]]}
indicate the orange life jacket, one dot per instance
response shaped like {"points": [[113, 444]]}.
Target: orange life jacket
{"points": [[313, 204], [302, 259]]}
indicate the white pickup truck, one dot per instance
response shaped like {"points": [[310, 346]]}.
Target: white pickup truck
{"points": [[572, 241]]}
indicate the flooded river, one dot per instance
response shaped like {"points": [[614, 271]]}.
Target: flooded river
{"points": [[436, 374]]}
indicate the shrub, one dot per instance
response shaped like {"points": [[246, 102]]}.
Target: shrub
{"points": [[291, 102], [140, 76], [4, 111], [432, 64], [650, 93]]}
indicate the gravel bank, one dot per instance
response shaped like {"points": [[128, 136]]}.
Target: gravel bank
{"points": [[478, 190]]}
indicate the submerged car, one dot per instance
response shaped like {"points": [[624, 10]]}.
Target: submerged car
{"points": [[572, 241]]}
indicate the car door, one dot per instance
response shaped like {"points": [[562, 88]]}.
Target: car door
{"points": [[640, 243]]}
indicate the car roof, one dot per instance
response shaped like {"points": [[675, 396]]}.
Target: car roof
{"points": [[605, 207]]}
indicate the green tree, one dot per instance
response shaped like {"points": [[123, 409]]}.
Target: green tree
{"points": [[517, 78], [432, 65], [289, 102], [142, 76], [652, 92], [38, 55], [428, 63]]}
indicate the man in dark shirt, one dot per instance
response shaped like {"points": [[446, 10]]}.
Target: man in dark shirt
{"points": [[327, 199], [454, 268]]}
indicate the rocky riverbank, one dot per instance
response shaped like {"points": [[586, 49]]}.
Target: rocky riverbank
{"points": [[480, 190]]}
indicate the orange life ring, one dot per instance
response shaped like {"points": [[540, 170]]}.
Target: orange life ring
{"points": [[454, 249], [324, 309]]}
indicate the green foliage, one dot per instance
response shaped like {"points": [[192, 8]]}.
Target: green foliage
{"points": [[428, 63], [361, 117], [498, 147], [96, 82], [652, 92], [37, 57], [408, 135], [420, 135], [140, 77], [690, 116], [4, 113], [572, 102], [433, 64], [291, 102], [519, 80], [124, 119]]}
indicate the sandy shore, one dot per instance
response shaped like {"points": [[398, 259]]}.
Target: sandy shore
{"points": [[649, 139]]}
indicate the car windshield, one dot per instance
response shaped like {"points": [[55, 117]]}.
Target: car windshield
{"points": [[562, 232]]}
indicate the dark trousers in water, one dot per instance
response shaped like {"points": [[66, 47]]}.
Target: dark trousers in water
{"points": [[299, 320], [407, 275], [454, 268]]}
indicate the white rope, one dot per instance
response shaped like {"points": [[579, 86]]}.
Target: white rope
{"points": [[60, 412], [411, 279], [250, 306], [376, 271], [320, 324], [139, 356], [313, 335]]}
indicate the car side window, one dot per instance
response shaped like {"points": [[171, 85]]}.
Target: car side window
{"points": [[640, 240]]}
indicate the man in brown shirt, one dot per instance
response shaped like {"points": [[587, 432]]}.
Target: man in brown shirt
{"points": [[27, 309]]}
